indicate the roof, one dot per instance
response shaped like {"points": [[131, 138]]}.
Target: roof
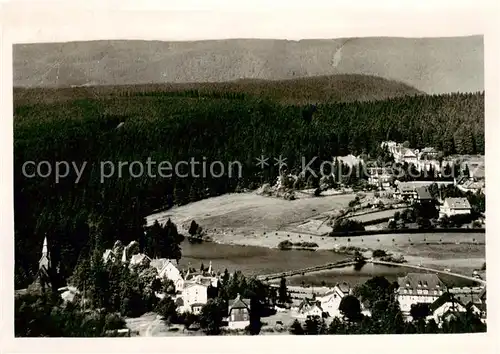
{"points": [[429, 150], [197, 304], [443, 299], [350, 160], [344, 287], [408, 153], [457, 203], [192, 283], [138, 258], [309, 303], [405, 187], [480, 306], [420, 280], [160, 263], [239, 303], [107, 254], [482, 294], [423, 193], [467, 294]]}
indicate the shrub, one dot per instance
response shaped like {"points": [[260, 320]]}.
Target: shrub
{"points": [[285, 245], [379, 253]]}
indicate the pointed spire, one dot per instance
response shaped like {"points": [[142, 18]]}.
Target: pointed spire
{"points": [[45, 250], [44, 262]]}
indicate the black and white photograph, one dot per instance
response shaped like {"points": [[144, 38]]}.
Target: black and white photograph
{"points": [[249, 186]]}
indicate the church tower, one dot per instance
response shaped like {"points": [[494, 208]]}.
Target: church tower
{"points": [[44, 263]]}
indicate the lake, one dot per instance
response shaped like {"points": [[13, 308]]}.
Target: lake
{"points": [[252, 260]]}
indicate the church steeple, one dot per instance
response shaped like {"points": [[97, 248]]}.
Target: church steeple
{"points": [[45, 259]]}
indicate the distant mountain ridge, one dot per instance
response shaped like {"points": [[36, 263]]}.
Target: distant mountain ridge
{"points": [[431, 65]]}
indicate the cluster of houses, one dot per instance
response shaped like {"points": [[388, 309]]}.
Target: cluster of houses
{"points": [[444, 302], [418, 192], [191, 288], [326, 305], [423, 160], [429, 158], [414, 288]]}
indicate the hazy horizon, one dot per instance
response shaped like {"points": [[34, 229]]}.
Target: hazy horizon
{"points": [[430, 65]]}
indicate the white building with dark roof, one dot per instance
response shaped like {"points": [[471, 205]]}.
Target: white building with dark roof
{"points": [[455, 206], [417, 288], [330, 301]]}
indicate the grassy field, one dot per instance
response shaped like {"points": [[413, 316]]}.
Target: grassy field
{"points": [[247, 228], [247, 216]]}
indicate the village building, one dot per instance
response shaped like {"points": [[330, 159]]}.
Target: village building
{"points": [[423, 195], [44, 262], [380, 177], [43, 277], [474, 298], [69, 293], [417, 288], [408, 156], [195, 294], [238, 313], [455, 206], [128, 250], [468, 184], [309, 308], [405, 191], [445, 308], [408, 190], [428, 153], [109, 256], [140, 259], [330, 301], [167, 268]]}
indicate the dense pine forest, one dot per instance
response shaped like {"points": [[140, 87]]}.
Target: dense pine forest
{"points": [[178, 127]]}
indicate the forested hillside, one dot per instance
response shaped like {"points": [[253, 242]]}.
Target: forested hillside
{"points": [[338, 88], [219, 127]]}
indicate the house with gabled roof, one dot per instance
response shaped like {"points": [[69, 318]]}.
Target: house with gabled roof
{"points": [[109, 256], [330, 301], [140, 259], [417, 288], [455, 206], [309, 308], [423, 195], [238, 313], [446, 305], [167, 268], [409, 156]]}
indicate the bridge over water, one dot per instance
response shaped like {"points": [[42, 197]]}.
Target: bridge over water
{"points": [[349, 262]]}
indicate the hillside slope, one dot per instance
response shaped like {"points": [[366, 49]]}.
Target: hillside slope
{"points": [[431, 65], [339, 88]]}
